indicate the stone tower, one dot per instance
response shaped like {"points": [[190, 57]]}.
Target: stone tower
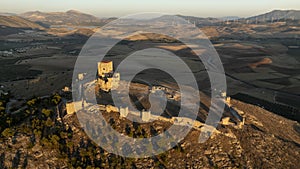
{"points": [[107, 79], [104, 68]]}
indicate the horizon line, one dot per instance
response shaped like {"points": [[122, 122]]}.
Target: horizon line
{"points": [[116, 16]]}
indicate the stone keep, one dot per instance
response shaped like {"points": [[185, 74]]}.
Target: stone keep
{"points": [[104, 68], [107, 79]]}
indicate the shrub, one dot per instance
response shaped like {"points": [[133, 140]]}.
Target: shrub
{"points": [[31, 102], [56, 99], [46, 112], [8, 132]]}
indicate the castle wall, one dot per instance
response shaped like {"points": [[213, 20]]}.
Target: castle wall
{"points": [[124, 112], [105, 85], [71, 106], [146, 116], [110, 108]]}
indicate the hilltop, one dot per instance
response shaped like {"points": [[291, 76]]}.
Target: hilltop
{"points": [[71, 17], [41, 135], [277, 15]]}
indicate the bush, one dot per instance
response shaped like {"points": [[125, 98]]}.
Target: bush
{"points": [[49, 122], [56, 99], [8, 132], [31, 102], [2, 108], [55, 140], [46, 112], [45, 142]]}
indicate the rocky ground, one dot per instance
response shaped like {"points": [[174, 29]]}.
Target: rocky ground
{"points": [[265, 141]]}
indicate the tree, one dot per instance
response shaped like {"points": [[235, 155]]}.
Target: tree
{"points": [[63, 135], [70, 145], [56, 99], [55, 140], [46, 112], [49, 122], [36, 123], [31, 102], [45, 142]]}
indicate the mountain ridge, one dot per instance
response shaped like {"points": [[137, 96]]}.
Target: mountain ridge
{"points": [[70, 17], [277, 15]]}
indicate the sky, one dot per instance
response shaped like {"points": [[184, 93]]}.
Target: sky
{"points": [[118, 8]]}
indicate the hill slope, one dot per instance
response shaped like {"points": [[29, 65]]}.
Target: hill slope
{"points": [[18, 22], [277, 15], [36, 137]]}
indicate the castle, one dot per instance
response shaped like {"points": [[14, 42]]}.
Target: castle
{"points": [[107, 79]]}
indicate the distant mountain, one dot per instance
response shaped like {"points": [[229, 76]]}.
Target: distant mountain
{"points": [[18, 22], [277, 15], [198, 21], [225, 18], [71, 17], [7, 14]]}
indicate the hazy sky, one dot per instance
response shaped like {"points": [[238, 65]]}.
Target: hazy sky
{"points": [[106, 8]]}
